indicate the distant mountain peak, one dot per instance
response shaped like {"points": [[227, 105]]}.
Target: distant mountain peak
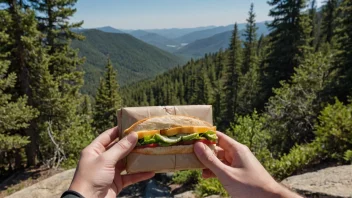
{"points": [[110, 29]]}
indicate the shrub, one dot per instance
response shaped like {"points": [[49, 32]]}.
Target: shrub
{"points": [[299, 157], [210, 186], [334, 130], [187, 177], [348, 156], [249, 130], [333, 141]]}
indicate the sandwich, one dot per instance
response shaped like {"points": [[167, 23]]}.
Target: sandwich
{"points": [[169, 139]]}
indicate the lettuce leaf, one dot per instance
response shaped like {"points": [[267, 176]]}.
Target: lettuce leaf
{"points": [[167, 141]]}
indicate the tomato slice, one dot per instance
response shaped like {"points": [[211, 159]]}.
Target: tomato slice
{"points": [[207, 141], [149, 145]]}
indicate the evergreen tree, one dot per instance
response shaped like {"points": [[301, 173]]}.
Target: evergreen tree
{"points": [[86, 106], [262, 50], [314, 23], [220, 64], [151, 98], [249, 82], [202, 93], [233, 75], [344, 59], [14, 114], [289, 36], [218, 103], [144, 99], [329, 20], [108, 101], [29, 61], [292, 111], [250, 34]]}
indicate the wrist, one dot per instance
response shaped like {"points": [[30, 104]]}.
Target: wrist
{"points": [[281, 191], [81, 187]]}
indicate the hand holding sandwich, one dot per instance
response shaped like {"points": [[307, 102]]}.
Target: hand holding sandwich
{"points": [[239, 171], [99, 170]]}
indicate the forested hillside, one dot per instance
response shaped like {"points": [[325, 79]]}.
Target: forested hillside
{"points": [[201, 47], [156, 40], [212, 44], [286, 96], [134, 59]]}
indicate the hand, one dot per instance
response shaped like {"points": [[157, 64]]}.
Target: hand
{"points": [[98, 173], [240, 172]]}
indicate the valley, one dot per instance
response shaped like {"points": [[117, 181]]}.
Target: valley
{"points": [[188, 42], [133, 59], [143, 54]]}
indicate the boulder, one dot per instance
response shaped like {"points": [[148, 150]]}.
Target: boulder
{"points": [[51, 187], [333, 182]]}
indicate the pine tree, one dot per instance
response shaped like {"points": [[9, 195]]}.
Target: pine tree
{"points": [[250, 34], [86, 106], [202, 91], [29, 61], [248, 84], [292, 111], [144, 99], [329, 20], [151, 98], [108, 101], [14, 114], [220, 64], [233, 74], [289, 36], [314, 22], [218, 103], [344, 57]]}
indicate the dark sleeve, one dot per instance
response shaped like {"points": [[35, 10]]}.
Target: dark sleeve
{"points": [[71, 194]]}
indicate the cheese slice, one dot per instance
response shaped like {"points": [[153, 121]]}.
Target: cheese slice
{"points": [[186, 130], [142, 134]]}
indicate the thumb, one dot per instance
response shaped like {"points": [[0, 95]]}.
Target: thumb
{"points": [[121, 149], [209, 159]]}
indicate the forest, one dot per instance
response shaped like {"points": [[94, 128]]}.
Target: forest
{"points": [[287, 95]]}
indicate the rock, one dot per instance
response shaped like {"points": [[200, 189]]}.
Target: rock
{"points": [[170, 175], [187, 194], [333, 182], [213, 196], [155, 189], [52, 187]]}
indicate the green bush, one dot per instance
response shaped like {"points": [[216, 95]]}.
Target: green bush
{"points": [[333, 141], [348, 156], [210, 186], [249, 130], [334, 130], [299, 157], [187, 177]]}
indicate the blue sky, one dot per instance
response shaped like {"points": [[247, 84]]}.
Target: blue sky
{"points": [[149, 14]]}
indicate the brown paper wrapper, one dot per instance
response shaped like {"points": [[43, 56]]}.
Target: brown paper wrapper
{"points": [[161, 163]]}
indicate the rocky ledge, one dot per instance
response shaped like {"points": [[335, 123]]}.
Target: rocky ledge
{"points": [[333, 182]]}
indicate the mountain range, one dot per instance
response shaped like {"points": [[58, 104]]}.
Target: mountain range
{"points": [[142, 54], [189, 42]]}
